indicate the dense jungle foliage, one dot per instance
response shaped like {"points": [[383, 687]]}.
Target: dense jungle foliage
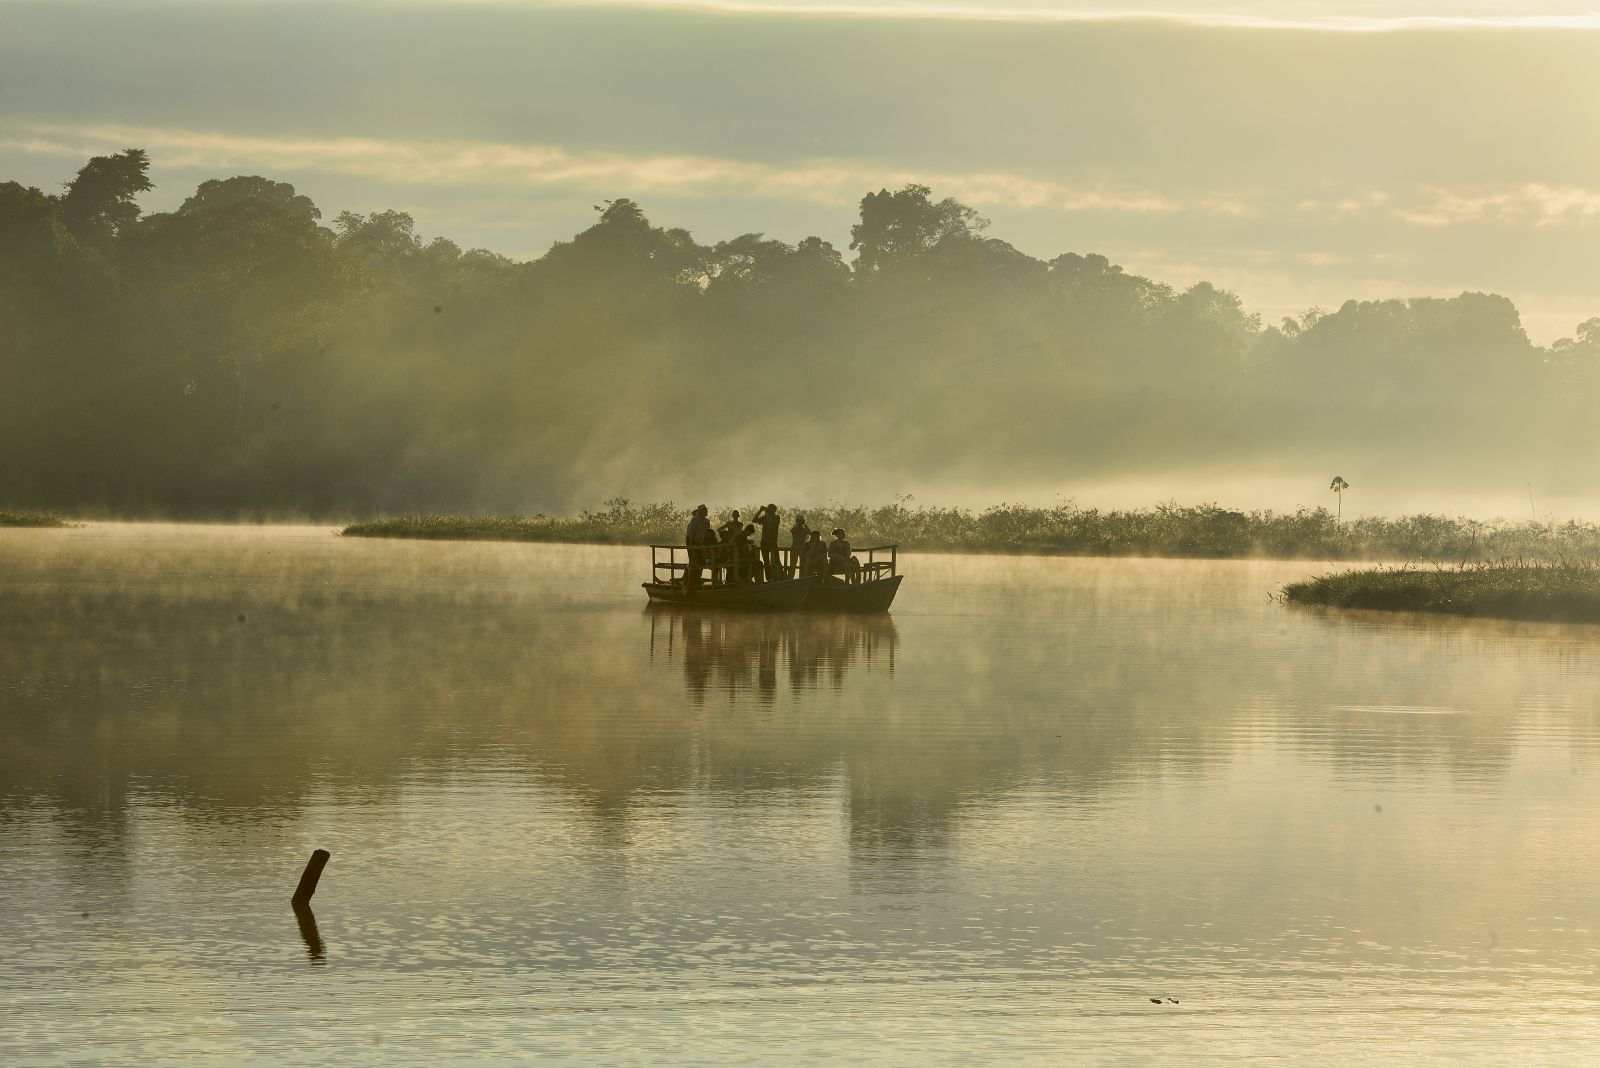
{"points": [[243, 356]]}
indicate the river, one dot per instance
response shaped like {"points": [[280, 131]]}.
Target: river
{"points": [[987, 828]]}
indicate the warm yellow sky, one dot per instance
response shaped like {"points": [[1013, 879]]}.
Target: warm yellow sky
{"points": [[1262, 146]]}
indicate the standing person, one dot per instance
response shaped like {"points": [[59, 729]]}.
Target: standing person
{"points": [[728, 534], [745, 563], [799, 534], [840, 562], [769, 519], [696, 537]]}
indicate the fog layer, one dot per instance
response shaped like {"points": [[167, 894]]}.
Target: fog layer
{"points": [[243, 355]]}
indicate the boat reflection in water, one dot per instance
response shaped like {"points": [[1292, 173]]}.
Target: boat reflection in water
{"points": [[745, 654]]}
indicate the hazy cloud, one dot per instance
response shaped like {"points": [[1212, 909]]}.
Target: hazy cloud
{"points": [[1530, 203], [1347, 18], [474, 163], [1541, 205]]}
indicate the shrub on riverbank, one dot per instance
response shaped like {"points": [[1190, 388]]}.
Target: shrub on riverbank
{"points": [[1559, 591], [1062, 529], [31, 519]]}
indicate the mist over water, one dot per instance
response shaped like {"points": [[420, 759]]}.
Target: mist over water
{"points": [[1040, 793], [289, 289]]}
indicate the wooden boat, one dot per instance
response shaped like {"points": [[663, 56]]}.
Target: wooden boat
{"points": [[871, 589], [786, 596], [836, 595]]}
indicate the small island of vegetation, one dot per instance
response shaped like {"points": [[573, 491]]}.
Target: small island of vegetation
{"points": [[1556, 592]]}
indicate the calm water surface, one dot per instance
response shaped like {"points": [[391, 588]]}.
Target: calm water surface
{"points": [[987, 829]]}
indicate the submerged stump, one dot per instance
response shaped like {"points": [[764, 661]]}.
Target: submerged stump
{"points": [[309, 877]]}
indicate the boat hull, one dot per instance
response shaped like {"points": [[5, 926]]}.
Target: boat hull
{"points": [[786, 596], [833, 595]]}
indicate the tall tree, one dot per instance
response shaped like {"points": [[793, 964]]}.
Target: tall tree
{"points": [[99, 203], [899, 227]]}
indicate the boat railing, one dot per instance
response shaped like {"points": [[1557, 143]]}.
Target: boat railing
{"points": [[876, 567], [720, 563]]}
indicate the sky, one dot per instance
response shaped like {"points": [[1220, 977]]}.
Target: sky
{"points": [[1298, 153]]}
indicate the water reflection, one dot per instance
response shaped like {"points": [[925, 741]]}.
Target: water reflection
{"points": [[1047, 769], [1414, 691], [354, 670], [741, 654], [307, 922]]}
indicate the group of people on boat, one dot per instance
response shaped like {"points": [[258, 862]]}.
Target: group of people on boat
{"points": [[740, 552]]}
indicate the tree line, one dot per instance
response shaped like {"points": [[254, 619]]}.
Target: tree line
{"points": [[241, 355], [1059, 529]]}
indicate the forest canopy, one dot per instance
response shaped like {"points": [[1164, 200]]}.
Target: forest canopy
{"points": [[244, 355]]}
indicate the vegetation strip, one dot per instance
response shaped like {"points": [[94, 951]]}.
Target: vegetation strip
{"points": [[31, 519], [1560, 591], [1064, 529]]}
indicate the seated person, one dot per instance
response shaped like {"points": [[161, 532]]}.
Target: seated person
{"points": [[840, 562], [814, 560]]}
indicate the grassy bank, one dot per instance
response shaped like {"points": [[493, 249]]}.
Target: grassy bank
{"points": [[584, 528], [1064, 529], [1551, 591], [31, 519]]}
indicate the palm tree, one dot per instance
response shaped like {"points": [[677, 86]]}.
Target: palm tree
{"points": [[1339, 485]]}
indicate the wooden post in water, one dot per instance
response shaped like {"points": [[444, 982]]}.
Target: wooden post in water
{"points": [[309, 877]]}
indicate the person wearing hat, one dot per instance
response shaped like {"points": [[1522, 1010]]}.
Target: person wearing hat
{"points": [[840, 562], [696, 537]]}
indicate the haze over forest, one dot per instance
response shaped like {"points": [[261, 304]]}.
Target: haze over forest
{"points": [[1236, 249], [244, 355]]}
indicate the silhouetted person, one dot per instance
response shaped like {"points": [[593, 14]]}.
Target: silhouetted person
{"points": [[814, 561], [745, 563], [696, 537], [840, 562], [727, 537], [769, 519], [799, 534]]}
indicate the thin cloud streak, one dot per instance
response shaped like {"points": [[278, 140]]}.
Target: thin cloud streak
{"points": [[970, 13], [478, 164], [1532, 203], [1540, 204], [485, 164]]}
